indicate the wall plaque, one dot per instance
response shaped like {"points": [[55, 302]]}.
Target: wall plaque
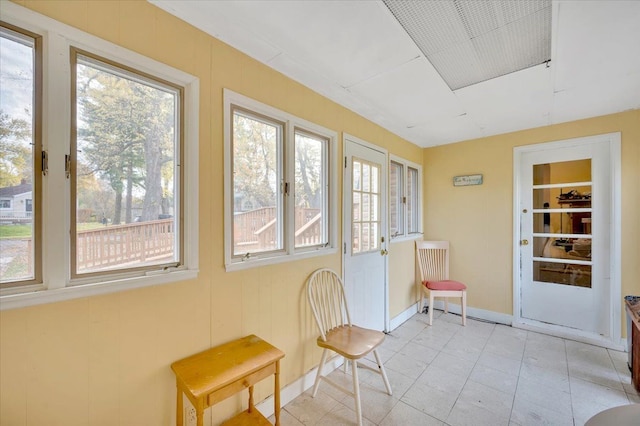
{"points": [[467, 180]]}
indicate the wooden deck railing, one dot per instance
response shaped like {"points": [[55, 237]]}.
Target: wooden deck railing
{"points": [[255, 230], [119, 245]]}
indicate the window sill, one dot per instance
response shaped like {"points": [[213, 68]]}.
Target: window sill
{"points": [[257, 262], [41, 295]]}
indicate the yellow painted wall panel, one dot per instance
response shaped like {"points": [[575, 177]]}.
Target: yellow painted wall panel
{"points": [[403, 291], [14, 365], [58, 363]]}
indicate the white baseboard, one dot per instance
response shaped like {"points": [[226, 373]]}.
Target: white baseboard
{"points": [[481, 314], [399, 319], [296, 388]]}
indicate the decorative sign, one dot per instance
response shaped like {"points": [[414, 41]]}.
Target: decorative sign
{"points": [[467, 180]]}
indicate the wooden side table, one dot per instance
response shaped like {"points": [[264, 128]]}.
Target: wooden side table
{"points": [[211, 376]]}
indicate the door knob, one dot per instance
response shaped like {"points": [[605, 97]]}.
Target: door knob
{"points": [[524, 242]]}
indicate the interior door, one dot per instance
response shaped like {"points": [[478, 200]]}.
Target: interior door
{"points": [[365, 234], [565, 241]]}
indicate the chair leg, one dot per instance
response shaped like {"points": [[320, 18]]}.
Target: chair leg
{"points": [[464, 308], [446, 305], [356, 391], [430, 308], [345, 365], [323, 359], [383, 373]]}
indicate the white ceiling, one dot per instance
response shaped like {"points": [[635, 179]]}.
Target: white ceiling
{"points": [[357, 54]]}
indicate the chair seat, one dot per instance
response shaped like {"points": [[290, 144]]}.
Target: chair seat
{"points": [[447, 285], [352, 342]]}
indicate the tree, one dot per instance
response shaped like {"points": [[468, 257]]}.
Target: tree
{"points": [[15, 151], [126, 134], [254, 161]]}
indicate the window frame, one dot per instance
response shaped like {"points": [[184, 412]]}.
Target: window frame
{"points": [[36, 126], [143, 78], [57, 282], [291, 124], [405, 165]]}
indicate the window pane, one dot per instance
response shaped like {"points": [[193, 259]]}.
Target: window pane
{"points": [[309, 190], [396, 206], [413, 200], [126, 174], [257, 218], [562, 273], [17, 206], [366, 207]]}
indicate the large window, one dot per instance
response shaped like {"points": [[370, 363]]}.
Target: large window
{"points": [[127, 141], [278, 189], [116, 172], [405, 206], [20, 82]]}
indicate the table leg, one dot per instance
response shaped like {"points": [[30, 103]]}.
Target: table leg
{"points": [[250, 410], [276, 395], [199, 413], [179, 410]]}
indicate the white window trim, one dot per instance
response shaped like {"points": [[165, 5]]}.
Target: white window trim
{"points": [[406, 236], [57, 284], [289, 253]]}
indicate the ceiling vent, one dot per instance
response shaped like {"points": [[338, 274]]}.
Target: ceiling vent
{"points": [[470, 41]]}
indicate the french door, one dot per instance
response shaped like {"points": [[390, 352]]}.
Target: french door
{"points": [[365, 233], [564, 220]]}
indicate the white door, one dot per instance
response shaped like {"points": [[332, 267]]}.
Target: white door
{"points": [[565, 235], [365, 233]]}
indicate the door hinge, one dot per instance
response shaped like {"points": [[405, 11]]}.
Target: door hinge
{"points": [[67, 165], [345, 248], [345, 162], [45, 163]]}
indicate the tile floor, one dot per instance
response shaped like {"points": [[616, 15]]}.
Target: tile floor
{"points": [[481, 374]]}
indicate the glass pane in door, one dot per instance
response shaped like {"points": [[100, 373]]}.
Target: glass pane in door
{"points": [[562, 195], [366, 208]]}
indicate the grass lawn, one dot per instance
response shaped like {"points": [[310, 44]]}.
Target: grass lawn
{"points": [[15, 231], [22, 231]]}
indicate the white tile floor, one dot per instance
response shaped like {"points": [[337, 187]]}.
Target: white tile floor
{"points": [[481, 374]]}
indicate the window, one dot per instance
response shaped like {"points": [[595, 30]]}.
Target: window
{"points": [[127, 139], [396, 199], [405, 208], [311, 189], [121, 141], [278, 185], [20, 68]]}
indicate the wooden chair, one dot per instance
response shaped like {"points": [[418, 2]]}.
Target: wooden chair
{"points": [[433, 262], [329, 305]]}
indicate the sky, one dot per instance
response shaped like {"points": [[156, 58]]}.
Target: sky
{"points": [[16, 78]]}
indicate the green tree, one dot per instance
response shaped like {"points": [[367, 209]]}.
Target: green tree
{"points": [[126, 133], [15, 150], [254, 162]]}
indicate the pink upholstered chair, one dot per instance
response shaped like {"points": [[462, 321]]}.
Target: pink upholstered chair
{"points": [[433, 262]]}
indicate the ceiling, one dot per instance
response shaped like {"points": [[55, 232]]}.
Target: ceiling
{"points": [[357, 54]]}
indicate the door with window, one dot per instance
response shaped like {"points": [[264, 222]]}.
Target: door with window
{"points": [[365, 229], [565, 239]]}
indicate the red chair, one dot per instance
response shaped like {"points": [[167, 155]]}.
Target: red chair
{"points": [[433, 262]]}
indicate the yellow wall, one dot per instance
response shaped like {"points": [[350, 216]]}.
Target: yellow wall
{"points": [[478, 220], [105, 360]]}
